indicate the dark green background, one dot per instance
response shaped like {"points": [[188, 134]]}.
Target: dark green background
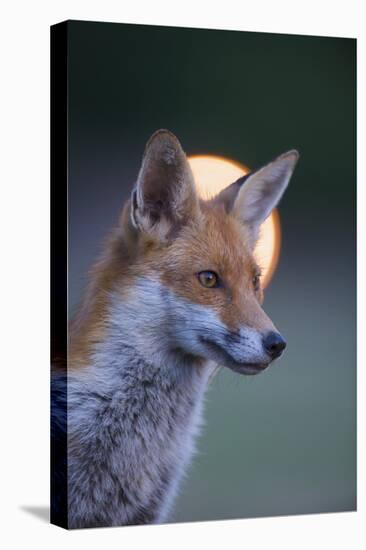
{"points": [[283, 442]]}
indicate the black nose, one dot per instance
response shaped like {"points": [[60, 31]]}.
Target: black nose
{"points": [[274, 344]]}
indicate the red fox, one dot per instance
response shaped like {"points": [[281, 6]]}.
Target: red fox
{"points": [[176, 293]]}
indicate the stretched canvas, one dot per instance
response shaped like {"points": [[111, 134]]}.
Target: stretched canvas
{"points": [[203, 274]]}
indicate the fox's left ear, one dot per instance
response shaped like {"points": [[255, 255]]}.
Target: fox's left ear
{"points": [[253, 200], [164, 198]]}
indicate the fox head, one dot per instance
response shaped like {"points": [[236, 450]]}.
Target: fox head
{"points": [[194, 277]]}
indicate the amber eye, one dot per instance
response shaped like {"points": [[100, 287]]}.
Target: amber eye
{"points": [[208, 279], [256, 281]]}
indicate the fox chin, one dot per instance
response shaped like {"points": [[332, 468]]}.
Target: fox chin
{"points": [[176, 293]]}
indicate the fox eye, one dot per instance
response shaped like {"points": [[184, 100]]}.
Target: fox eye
{"points": [[256, 281], [208, 279]]}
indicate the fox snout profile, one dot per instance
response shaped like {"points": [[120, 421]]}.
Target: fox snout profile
{"points": [[176, 293]]}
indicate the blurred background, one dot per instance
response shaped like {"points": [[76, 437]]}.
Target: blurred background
{"points": [[283, 442]]}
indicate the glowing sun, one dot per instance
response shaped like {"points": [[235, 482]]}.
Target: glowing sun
{"points": [[212, 174]]}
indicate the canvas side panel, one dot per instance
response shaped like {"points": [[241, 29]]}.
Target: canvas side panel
{"points": [[59, 224]]}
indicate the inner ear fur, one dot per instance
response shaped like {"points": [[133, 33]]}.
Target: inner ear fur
{"points": [[227, 196]]}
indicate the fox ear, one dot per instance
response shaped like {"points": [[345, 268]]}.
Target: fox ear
{"points": [[164, 197], [252, 198]]}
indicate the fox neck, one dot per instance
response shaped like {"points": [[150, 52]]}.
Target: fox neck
{"points": [[155, 395]]}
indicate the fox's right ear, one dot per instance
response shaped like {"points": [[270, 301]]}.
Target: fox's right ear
{"points": [[252, 198], [164, 197]]}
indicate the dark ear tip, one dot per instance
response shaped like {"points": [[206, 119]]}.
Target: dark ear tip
{"points": [[292, 154], [162, 138]]}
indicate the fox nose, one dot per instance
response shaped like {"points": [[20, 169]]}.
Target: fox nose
{"points": [[274, 344]]}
